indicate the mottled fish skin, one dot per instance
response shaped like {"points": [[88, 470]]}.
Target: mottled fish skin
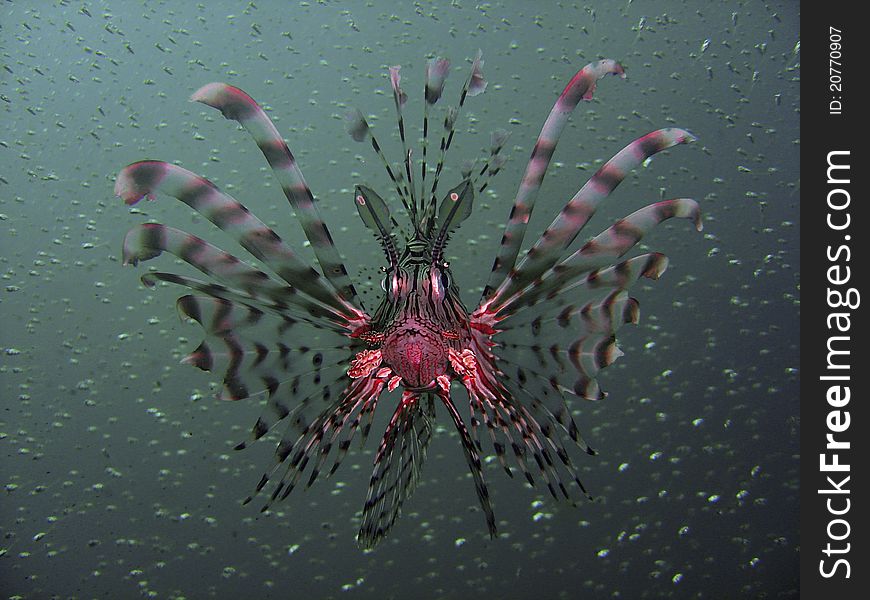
{"points": [[297, 335]]}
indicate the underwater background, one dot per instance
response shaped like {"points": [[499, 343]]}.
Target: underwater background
{"points": [[119, 476]]}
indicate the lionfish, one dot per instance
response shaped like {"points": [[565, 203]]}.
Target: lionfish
{"points": [[304, 344]]}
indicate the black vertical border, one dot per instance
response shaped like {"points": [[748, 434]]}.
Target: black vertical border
{"points": [[821, 133]]}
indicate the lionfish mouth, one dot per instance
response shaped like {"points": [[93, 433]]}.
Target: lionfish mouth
{"points": [[298, 334]]}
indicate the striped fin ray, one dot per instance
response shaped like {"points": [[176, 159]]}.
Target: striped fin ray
{"points": [[571, 351], [298, 402], [510, 426], [577, 212], [237, 105], [474, 465], [495, 161], [574, 296], [604, 249], [437, 70], [145, 178], [581, 87], [479, 403], [315, 439], [586, 355], [255, 354], [485, 407], [400, 98], [475, 84], [249, 347], [567, 340], [546, 401], [360, 131], [563, 343], [149, 240], [554, 426], [397, 466], [533, 441], [275, 307]]}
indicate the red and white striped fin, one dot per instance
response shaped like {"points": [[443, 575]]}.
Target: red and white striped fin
{"points": [[622, 236], [551, 427], [300, 397], [571, 337], [546, 402], [564, 294], [571, 348], [572, 367], [472, 458], [315, 316], [397, 466], [533, 438], [315, 439], [577, 212], [485, 408], [253, 350], [145, 178], [581, 87], [149, 240], [604, 249], [237, 105], [498, 437], [594, 312]]}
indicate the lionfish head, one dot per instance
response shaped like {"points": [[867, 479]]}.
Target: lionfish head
{"points": [[418, 265], [421, 316]]}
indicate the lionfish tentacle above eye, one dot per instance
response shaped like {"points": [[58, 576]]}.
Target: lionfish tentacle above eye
{"points": [[235, 104], [545, 327], [581, 87], [375, 215]]}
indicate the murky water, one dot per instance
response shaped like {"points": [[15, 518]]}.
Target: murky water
{"points": [[119, 473]]}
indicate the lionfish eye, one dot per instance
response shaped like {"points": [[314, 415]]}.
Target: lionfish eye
{"points": [[439, 282]]}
